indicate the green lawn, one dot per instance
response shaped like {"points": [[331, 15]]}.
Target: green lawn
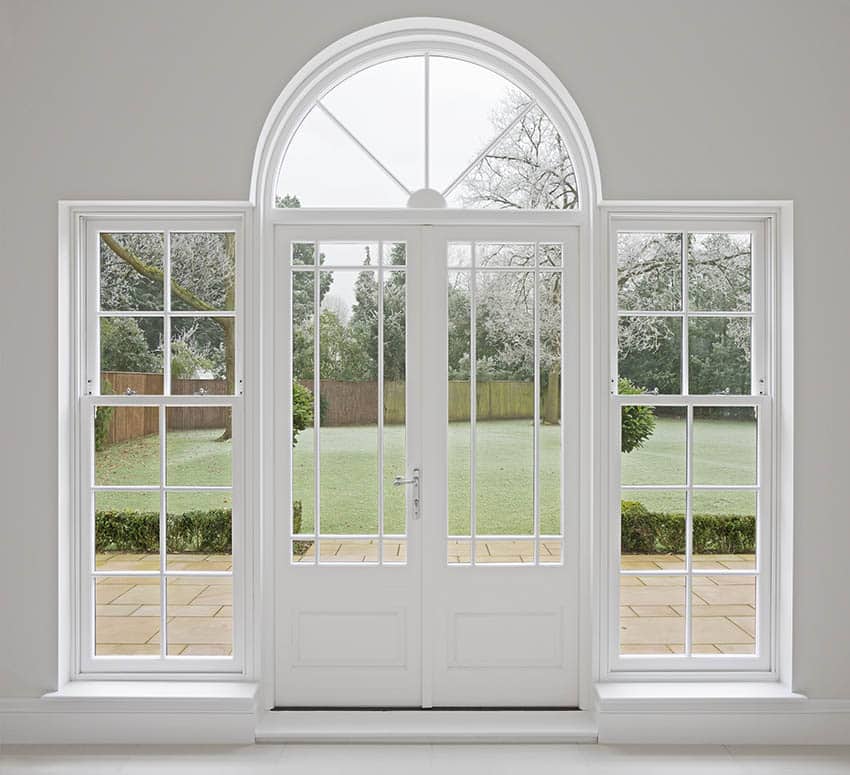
{"points": [[504, 476], [194, 458], [723, 454]]}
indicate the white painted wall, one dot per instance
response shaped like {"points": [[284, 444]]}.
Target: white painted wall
{"points": [[165, 99]]}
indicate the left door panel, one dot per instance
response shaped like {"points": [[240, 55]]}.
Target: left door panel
{"points": [[347, 549]]}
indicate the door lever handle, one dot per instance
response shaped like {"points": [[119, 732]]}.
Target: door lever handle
{"points": [[413, 481]]}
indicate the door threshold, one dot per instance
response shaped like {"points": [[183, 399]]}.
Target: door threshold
{"points": [[416, 725]]}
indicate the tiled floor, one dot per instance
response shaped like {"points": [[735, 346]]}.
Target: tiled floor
{"points": [[421, 759]]}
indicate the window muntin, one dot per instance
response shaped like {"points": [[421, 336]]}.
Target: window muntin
{"points": [[692, 417], [161, 434], [435, 123]]}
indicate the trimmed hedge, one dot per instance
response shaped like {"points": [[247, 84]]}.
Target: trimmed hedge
{"points": [[138, 531], [645, 532]]}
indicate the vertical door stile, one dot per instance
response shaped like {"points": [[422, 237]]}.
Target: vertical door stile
{"points": [[428, 347], [380, 417]]}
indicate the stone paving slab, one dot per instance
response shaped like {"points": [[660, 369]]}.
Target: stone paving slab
{"points": [[200, 612]]}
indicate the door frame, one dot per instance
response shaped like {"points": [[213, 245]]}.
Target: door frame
{"points": [[588, 353]]}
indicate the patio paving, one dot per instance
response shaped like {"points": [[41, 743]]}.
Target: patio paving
{"points": [[652, 608], [200, 609]]}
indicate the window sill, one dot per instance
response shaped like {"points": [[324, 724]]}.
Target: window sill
{"points": [[696, 696], [217, 696]]}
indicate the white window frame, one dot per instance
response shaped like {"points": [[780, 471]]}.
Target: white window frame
{"points": [[770, 223], [80, 225]]}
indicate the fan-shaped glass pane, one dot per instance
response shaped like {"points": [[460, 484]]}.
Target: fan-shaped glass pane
{"points": [[528, 169], [324, 167], [466, 101], [384, 107], [483, 142]]}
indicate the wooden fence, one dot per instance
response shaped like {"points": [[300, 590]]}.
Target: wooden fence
{"points": [[344, 403], [130, 422], [356, 403]]}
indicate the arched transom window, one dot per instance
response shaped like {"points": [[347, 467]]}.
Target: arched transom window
{"points": [[427, 131]]}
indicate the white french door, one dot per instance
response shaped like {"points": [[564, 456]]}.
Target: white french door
{"points": [[426, 508]]}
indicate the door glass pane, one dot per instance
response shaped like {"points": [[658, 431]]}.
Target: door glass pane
{"points": [[459, 430], [504, 446], [348, 436], [395, 551], [491, 254], [394, 408], [504, 551], [354, 254], [549, 410], [357, 551], [459, 552], [303, 400]]}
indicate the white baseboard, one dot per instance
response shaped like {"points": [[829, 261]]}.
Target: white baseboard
{"points": [[812, 728], [718, 714], [27, 726], [133, 712], [427, 726], [227, 714]]}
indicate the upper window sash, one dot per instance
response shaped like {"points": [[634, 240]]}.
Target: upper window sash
{"points": [[682, 312], [180, 322]]}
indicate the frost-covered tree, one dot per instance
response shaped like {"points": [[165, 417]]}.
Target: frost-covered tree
{"points": [[203, 274], [529, 168], [650, 278]]}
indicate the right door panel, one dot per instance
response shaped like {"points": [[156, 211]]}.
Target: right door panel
{"points": [[500, 592]]}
